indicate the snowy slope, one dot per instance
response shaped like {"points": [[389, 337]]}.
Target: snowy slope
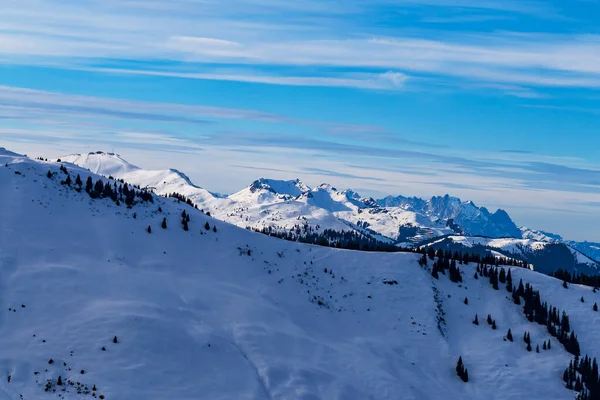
{"points": [[293, 206], [234, 314], [325, 206], [545, 256], [162, 182]]}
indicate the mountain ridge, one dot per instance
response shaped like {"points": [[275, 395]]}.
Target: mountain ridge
{"points": [[290, 204]]}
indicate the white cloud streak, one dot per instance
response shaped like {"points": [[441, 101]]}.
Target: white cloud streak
{"points": [[273, 33]]}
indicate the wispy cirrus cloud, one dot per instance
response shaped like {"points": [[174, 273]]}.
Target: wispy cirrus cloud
{"points": [[278, 34]]}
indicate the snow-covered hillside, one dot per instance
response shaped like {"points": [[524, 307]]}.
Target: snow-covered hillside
{"points": [[545, 256], [219, 312]]}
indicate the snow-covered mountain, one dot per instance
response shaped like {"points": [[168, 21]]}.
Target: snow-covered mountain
{"points": [[544, 256], [99, 294], [294, 206], [282, 204]]}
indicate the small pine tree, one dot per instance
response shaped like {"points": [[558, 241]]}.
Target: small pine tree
{"points": [[466, 301], [544, 347], [59, 381], [489, 319], [494, 324], [549, 345], [459, 366], [582, 300], [115, 340], [595, 307], [164, 223], [214, 228], [149, 229], [465, 376], [78, 180], [434, 271], [509, 335], [476, 321], [537, 348], [207, 226], [476, 276], [565, 284], [528, 346], [49, 174]]}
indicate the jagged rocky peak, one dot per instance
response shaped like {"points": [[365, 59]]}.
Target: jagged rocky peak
{"points": [[292, 188]]}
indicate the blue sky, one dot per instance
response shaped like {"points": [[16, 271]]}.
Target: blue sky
{"points": [[492, 101]]}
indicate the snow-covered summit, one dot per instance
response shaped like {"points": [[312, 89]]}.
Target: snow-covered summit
{"points": [[101, 163]]}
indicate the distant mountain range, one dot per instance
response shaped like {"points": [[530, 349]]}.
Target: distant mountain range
{"points": [[409, 221]]}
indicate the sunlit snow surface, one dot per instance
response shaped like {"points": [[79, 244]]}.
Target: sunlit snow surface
{"points": [[233, 314]]}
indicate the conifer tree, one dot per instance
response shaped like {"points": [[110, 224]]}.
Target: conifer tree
{"points": [[528, 346], [459, 366], [476, 320], [149, 229], [214, 228], [494, 324], [537, 348], [207, 226], [565, 285], [544, 346], [489, 319], [78, 180], [509, 335], [582, 300], [59, 381], [595, 307], [115, 340], [434, 271], [466, 301], [475, 276], [89, 185], [49, 174], [164, 223]]}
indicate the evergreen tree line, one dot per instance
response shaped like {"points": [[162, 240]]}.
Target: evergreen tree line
{"points": [[351, 240], [182, 198], [578, 279], [559, 326], [582, 376], [119, 193]]}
